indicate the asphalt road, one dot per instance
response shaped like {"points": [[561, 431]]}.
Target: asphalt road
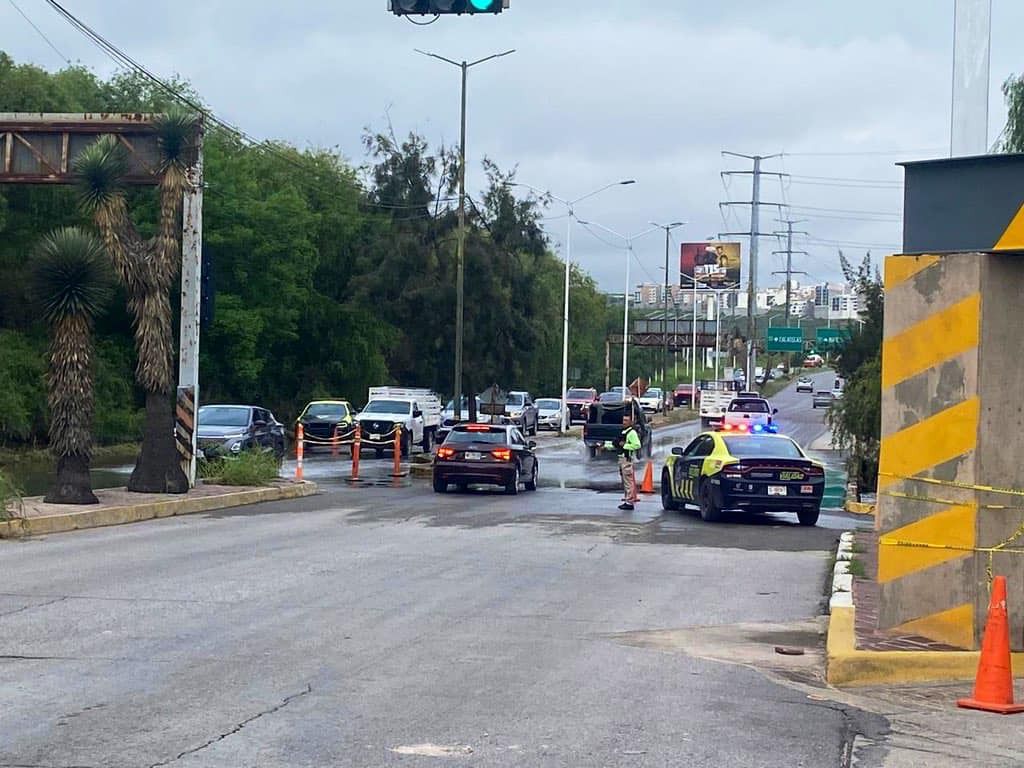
{"points": [[387, 625]]}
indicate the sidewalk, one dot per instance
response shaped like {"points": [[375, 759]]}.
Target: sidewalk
{"points": [[119, 506], [861, 654]]}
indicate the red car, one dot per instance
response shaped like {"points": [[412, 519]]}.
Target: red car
{"points": [[578, 400], [685, 395]]}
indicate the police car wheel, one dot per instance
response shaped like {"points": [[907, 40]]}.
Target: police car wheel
{"points": [[709, 511]]}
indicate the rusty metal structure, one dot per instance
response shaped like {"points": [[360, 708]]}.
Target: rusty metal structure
{"points": [[40, 148]]}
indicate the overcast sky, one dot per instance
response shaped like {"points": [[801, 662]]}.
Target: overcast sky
{"points": [[598, 90]]}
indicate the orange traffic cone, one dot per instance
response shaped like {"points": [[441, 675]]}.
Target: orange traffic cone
{"points": [[647, 486], [993, 686]]}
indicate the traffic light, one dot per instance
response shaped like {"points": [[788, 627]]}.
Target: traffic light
{"points": [[439, 7]]}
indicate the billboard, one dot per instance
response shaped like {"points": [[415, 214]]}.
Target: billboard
{"points": [[712, 264]]}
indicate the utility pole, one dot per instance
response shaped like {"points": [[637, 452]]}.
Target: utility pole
{"points": [[460, 248], [664, 355], [754, 234], [789, 271]]}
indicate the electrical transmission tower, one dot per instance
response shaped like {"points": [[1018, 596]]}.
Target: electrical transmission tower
{"points": [[754, 234], [789, 271]]}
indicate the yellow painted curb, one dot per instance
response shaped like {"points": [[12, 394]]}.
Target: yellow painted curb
{"points": [[133, 513], [859, 508], [849, 666]]}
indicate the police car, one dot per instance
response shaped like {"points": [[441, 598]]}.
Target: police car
{"points": [[754, 470]]}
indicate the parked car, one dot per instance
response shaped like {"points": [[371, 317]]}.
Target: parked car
{"points": [[486, 454], [228, 430], [448, 419], [549, 412], [751, 472], [684, 395], [320, 419], [653, 400], [814, 361], [522, 412], [823, 398], [578, 400], [804, 384]]}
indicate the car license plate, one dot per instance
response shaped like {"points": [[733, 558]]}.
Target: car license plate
{"points": [[473, 456], [375, 437], [776, 490]]}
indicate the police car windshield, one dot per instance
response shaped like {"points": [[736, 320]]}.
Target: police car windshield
{"points": [[496, 436], [762, 447], [748, 406]]}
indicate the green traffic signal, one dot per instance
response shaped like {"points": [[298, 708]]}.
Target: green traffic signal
{"points": [[484, 5]]}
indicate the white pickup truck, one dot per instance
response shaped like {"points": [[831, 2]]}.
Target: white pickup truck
{"points": [[417, 412], [715, 397]]}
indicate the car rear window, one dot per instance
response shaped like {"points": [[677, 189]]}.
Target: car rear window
{"points": [[581, 394], [748, 406], [496, 435], [608, 413], [762, 447]]}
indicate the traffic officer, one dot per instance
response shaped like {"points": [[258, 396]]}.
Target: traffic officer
{"points": [[627, 445]]}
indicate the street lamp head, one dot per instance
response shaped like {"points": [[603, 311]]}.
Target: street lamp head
{"points": [[624, 182]]}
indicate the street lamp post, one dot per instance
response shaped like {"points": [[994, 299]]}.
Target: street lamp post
{"points": [[628, 239], [570, 206], [664, 355], [460, 252]]}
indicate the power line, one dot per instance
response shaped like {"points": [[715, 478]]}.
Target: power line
{"points": [[846, 178], [49, 42], [873, 153]]}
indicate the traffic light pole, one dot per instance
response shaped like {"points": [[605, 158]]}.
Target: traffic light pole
{"points": [[460, 248]]}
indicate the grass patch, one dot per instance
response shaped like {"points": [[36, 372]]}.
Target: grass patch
{"points": [[856, 568], [10, 498], [249, 468]]}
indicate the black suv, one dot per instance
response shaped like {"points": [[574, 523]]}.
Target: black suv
{"points": [[604, 423]]}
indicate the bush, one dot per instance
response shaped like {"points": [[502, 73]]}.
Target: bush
{"points": [[10, 498], [249, 468]]}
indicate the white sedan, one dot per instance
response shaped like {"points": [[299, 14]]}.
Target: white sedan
{"points": [[653, 400], [549, 413]]}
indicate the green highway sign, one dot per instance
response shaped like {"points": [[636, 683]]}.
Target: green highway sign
{"points": [[829, 338], [785, 340]]}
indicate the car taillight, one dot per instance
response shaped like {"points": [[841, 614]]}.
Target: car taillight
{"points": [[445, 452], [815, 472], [502, 454]]}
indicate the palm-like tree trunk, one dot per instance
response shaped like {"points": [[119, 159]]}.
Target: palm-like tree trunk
{"points": [[71, 403], [70, 280]]}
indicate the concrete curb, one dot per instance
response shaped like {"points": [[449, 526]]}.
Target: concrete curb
{"points": [[134, 513], [846, 665]]}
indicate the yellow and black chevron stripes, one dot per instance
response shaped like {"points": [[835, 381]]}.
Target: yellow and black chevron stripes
{"points": [[1012, 238], [931, 413]]}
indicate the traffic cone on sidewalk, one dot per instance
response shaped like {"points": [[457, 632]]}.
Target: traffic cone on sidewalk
{"points": [[993, 686], [648, 484]]}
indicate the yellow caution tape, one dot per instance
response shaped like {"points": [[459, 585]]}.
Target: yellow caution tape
{"points": [[955, 484], [951, 502]]}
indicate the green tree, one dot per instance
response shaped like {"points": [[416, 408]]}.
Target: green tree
{"points": [[856, 419], [1013, 133], [71, 283]]}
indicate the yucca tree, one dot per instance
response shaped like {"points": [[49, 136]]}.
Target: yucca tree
{"points": [[147, 269], [71, 281]]}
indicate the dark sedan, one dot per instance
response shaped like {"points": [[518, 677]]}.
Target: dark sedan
{"points": [[228, 430], [486, 454]]}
